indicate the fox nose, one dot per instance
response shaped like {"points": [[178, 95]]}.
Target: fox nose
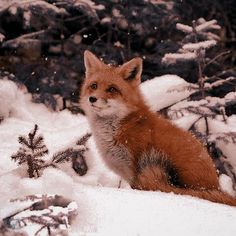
{"points": [[92, 99]]}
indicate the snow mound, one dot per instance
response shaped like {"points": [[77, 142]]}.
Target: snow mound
{"points": [[163, 91], [13, 101], [108, 211]]}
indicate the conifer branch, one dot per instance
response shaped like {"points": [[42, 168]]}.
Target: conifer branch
{"points": [[46, 217], [62, 156], [84, 139], [74, 155]]}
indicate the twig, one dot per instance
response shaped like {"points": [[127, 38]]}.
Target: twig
{"points": [[193, 124], [40, 229], [216, 57], [207, 125], [25, 36], [18, 212], [199, 59], [222, 110], [119, 185]]}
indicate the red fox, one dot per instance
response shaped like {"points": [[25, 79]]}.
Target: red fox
{"points": [[145, 149]]}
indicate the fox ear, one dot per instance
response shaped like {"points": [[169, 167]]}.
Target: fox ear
{"points": [[132, 70], [91, 63]]}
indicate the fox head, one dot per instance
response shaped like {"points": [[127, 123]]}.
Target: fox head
{"points": [[109, 90]]}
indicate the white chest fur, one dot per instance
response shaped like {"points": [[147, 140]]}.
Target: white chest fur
{"points": [[115, 155]]}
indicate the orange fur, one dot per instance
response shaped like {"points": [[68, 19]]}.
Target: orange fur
{"points": [[145, 149]]}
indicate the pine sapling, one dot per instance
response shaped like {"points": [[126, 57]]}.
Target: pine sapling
{"points": [[31, 152], [33, 149], [198, 39], [74, 155]]}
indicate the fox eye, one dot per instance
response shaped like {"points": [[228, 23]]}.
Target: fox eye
{"points": [[112, 90], [93, 86]]}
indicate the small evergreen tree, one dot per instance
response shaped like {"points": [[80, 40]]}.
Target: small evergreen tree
{"points": [[199, 38], [33, 149], [31, 152]]}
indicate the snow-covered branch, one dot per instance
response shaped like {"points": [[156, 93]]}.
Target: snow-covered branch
{"points": [[2, 37], [212, 24], [184, 28], [199, 45], [171, 58], [202, 26]]}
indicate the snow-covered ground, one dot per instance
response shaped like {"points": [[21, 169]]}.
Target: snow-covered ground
{"points": [[103, 209]]}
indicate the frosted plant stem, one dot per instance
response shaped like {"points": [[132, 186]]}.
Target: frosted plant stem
{"points": [[119, 185], [199, 62], [222, 111], [200, 76], [25, 36], [207, 125], [216, 57], [39, 230], [62, 35]]}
